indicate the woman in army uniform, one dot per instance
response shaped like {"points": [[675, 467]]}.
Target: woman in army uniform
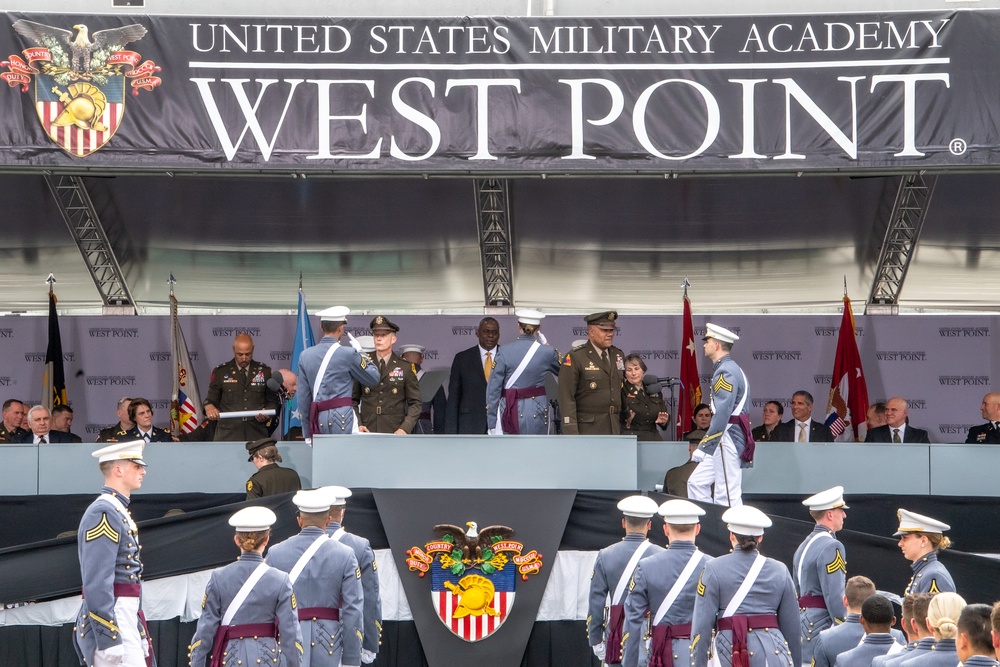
{"points": [[642, 411]]}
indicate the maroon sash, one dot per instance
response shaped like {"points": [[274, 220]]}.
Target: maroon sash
{"points": [[319, 613], [135, 591], [812, 602], [511, 396], [224, 634], [739, 625], [613, 645], [743, 421], [661, 653], [319, 406]]}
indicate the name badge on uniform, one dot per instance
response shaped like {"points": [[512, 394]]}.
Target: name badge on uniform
{"points": [[620, 363]]}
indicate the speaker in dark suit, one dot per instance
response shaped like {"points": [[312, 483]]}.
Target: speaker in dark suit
{"points": [[910, 434], [465, 410], [51, 436], [787, 432]]}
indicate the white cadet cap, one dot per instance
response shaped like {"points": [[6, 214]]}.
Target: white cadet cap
{"points": [[911, 522], [830, 499], [680, 512], [337, 495], [412, 347], [578, 342], [746, 520], [529, 316], [720, 333], [642, 507], [334, 314], [367, 343], [121, 451], [312, 501], [252, 519]]}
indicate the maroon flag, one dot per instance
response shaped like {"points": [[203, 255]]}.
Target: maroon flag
{"points": [[690, 380], [848, 405]]}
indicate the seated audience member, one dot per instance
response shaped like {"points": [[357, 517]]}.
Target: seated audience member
{"points": [[988, 433], [915, 626], [974, 644], [62, 421], [877, 620], [39, 421], [140, 411], [675, 482], [124, 425], [876, 416], [700, 420], [802, 427], [270, 478], [942, 619], [896, 428], [842, 638], [773, 410], [13, 414]]}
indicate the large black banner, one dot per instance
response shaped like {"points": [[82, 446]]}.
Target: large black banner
{"points": [[553, 95]]}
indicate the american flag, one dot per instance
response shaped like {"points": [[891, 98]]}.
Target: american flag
{"points": [[185, 406]]}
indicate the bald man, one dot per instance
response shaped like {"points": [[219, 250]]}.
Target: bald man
{"points": [[240, 384], [897, 428], [988, 433]]}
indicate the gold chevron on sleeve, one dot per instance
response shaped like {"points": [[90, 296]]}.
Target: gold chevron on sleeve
{"points": [[838, 563], [721, 384], [934, 587], [106, 623], [701, 590], [102, 529]]}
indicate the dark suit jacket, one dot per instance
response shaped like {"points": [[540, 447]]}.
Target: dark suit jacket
{"points": [[984, 434], [818, 432], [53, 436], [465, 411], [884, 434]]}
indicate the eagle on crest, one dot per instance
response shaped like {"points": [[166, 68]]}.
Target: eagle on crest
{"points": [[473, 541], [83, 45]]}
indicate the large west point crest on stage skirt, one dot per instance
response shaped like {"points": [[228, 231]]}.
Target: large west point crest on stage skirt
{"points": [[473, 576], [79, 80]]}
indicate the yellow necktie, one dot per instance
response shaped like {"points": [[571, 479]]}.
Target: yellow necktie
{"points": [[487, 366], [802, 432]]}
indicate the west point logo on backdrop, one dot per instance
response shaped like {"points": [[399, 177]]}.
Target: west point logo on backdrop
{"points": [[954, 429], [835, 331], [358, 331], [230, 332], [473, 576], [761, 402], [463, 330], [822, 379], [777, 355], [79, 80], [6, 333], [431, 354], [160, 403], [656, 354], [900, 355], [40, 356], [964, 380], [111, 380], [7, 381], [964, 332], [113, 332], [581, 332], [165, 355], [281, 355]]}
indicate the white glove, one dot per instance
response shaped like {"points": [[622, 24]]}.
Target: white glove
{"points": [[494, 431], [599, 651], [113, 655], [698, 455], [367, 657], [145, 646], [354, 343]]}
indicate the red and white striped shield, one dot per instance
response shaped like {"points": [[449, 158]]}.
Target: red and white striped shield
{"points": [[83, 116], [473, 627]]}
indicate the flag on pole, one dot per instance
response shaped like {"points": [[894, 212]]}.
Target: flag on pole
{"points": [[848, 405], [185, 400], [690, 380], [54, 376], [303, 340]]}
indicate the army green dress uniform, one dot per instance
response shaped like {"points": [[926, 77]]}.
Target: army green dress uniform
{"points": [[394, 403], [590, 386], [647, 408], [270, 479], [12, 435], [231, 391]]}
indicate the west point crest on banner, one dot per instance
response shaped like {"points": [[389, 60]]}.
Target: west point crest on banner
{"points": [[473, 576], [79, 80]]}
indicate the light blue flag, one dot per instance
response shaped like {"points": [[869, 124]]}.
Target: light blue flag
{"points": [[303, 340]]}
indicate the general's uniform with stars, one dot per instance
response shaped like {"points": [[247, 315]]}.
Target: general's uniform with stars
{"points": [[393, 403], [590, 389], [249, 639], [111, 570], [327, 589], [819, 568], [929, 575]]}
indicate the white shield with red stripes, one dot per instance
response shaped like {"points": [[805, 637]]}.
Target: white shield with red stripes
{"points": [[82, 115], [477, 623]]}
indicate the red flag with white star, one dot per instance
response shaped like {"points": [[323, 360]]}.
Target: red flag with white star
{"points": [[690, 380], [848, 404]]}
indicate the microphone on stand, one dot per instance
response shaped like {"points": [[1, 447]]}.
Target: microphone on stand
{"points": [[654, 384], [274, 383]]}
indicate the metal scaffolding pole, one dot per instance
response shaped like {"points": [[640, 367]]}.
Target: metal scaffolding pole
{"points": [[493, 213], [85, 227], [899, 243]]}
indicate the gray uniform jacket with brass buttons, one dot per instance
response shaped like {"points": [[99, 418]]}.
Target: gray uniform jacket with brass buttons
{"points": [[369, 583], [108, 547], [394, 402], [930, 576], [533, 412], [820, 569], [230, 391], [590, 391], [608, 569]]}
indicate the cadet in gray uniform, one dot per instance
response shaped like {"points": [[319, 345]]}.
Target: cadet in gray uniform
{"points": [[515, 393], [744, 591], [372, 630], [920, 539], [915, 625], [819, 568], [109, 630], [393, 405], [326, 405], [613, 571], [326, 580], [876, 619], [830, 643], [244, 602], [727, 445], [663, 589], [975, 644]]}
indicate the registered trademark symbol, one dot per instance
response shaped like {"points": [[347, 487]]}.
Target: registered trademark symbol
{"points": [[958, 146]]}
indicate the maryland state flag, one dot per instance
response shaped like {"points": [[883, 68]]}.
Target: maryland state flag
{"points": [[848, 405], [185, 401], [54, 377], [690, 380]]}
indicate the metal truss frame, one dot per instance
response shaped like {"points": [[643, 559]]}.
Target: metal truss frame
{"points": [[493, 215]]}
